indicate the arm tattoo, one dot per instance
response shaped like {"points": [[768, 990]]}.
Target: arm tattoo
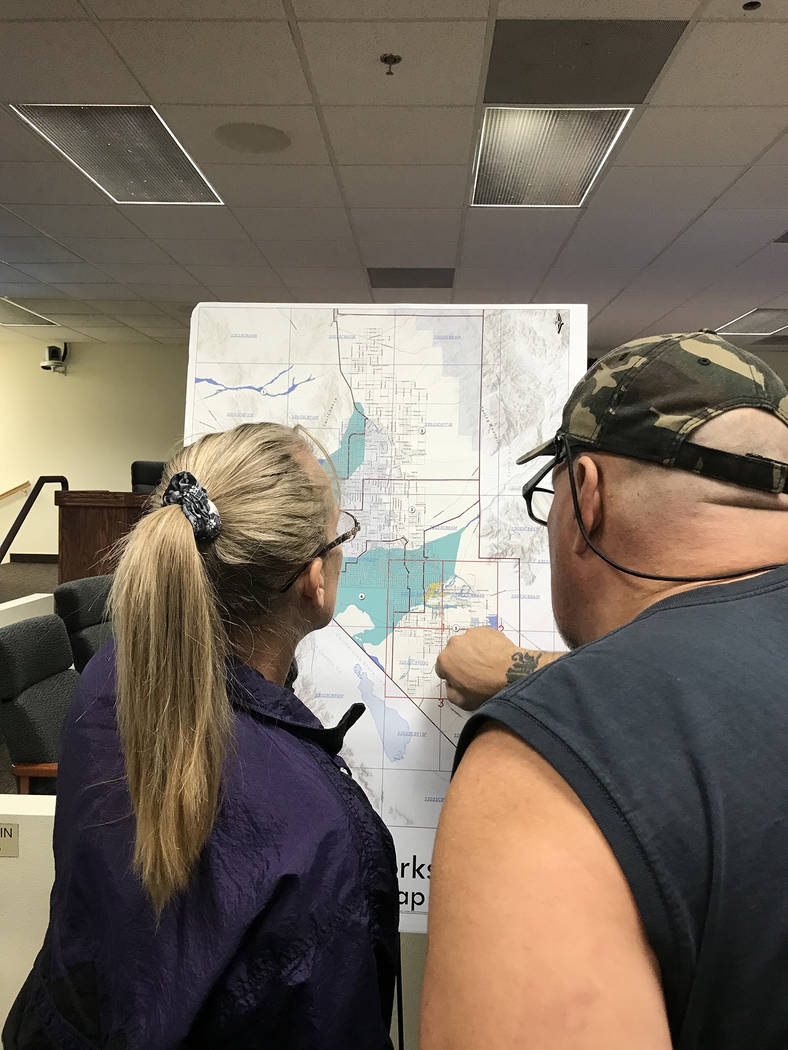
{"points": [[523, 664]]}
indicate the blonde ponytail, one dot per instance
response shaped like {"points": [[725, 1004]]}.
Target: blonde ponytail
{"points": [[179, 610], [172, 708]]}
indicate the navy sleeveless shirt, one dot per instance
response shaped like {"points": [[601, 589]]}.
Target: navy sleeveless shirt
{"points": [[673, 731], [287, 934]]}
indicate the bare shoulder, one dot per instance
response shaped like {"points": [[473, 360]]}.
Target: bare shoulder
{"points": [[535, 939]]}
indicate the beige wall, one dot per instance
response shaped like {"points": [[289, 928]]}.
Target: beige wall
{"points": [[116, 404]]}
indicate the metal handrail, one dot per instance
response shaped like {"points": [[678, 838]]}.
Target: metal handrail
{"points": [[15, 489], [23, 513]]}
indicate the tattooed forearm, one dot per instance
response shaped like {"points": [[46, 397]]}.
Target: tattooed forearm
{"points": [[522, 665]]}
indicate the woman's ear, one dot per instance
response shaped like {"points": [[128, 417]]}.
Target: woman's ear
{"points": [[589, 499], [313, 587]]}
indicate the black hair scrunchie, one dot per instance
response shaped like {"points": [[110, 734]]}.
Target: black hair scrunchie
{"points": [[185, 490]]}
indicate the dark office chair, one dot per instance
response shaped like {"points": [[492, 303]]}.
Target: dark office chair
{"points": [[81, 604], [36, 686], [146, 475]]}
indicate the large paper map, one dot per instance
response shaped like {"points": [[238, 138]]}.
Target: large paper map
{"points": [[424, 410]]}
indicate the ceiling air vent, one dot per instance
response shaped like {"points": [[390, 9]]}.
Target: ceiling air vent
{"points": [[13, 316], [756, 322], [127, 151], [543, 158]]}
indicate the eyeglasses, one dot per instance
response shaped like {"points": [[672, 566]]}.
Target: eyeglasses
{"points": [[348, 534], [539, 497]]}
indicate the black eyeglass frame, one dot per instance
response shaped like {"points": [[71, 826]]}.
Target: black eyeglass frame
{"points": [[349, 535], [563, 454], [532, 485]]}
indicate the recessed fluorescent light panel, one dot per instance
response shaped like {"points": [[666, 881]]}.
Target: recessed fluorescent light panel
{"points": [[756, 322], [13, 316], [127, 151], [543, 158]]}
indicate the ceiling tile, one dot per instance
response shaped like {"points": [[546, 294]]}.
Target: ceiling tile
{"points": [[82, 321], [117, 249], [407, 224], [607, 249], [217, 252], [165, 221], [11, 226], [401, 134], [47, 182], [170, 292], [79, 221], [164, 334], [732, 10], [412, 295], [97, 291], [66, 273], [527, 238], [20, 291], [442, 63], [195, 127], [382, 9], [310, 253], [149, 320], [211, 276], [119, 306], [496, 224], [404, 186], [346, 280], [13, 273], [249, 293], [278, 184], [778, 154], [495, 280], [30, 9], [139, 273], [690, 189], [60, 305], [197, 9], [335, 296], [485, 297], [295, 224], [190, 61], [20, 142], [760, 187], [752, 73], [63, 62], [408, 253], [116, 334], [33, 249], [696, 135], [596, 8]]}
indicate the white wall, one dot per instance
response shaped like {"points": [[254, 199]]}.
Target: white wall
{"points": [[116, 404], [25, 881]]}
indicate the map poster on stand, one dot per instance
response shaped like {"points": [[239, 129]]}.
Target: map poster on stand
{"points": [[424, 410]]}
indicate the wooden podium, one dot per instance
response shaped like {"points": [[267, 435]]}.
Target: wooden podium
{"points": [[90, 523]]}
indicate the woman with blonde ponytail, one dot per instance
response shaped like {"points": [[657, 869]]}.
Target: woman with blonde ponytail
{"points": [[221, 881]]}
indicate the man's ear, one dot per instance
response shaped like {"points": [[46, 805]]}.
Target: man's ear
{"points": [[313, 588], [589, 499]]}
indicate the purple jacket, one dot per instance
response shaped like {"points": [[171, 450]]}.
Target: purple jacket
{"points": [[287, 934]]}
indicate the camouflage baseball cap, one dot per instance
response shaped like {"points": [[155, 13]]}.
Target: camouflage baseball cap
{"points": [[645, 398]]}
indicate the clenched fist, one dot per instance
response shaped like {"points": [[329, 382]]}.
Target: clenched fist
{"points": [[474, 665]]}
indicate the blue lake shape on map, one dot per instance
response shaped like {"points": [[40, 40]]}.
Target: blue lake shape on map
{"points": [[352, 448], [392, 581], [391, 726]]}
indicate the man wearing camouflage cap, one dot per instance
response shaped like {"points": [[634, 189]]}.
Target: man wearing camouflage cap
{"points": [[610, 868]]}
